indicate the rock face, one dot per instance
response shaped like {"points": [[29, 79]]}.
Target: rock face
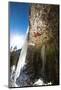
{"points": [[14, 56], [42, 59], [44, 33], [43, 24]]}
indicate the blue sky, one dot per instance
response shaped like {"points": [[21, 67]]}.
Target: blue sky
{"points": [[18, 21]]}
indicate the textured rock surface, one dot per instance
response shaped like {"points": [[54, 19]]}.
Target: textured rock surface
{"points": [[44, 19]]}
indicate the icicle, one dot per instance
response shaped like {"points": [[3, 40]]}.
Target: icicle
{"points": [[22, 57], [43, 55]]}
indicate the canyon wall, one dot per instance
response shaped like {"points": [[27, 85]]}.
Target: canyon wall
{"points": [[44, 36]]}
